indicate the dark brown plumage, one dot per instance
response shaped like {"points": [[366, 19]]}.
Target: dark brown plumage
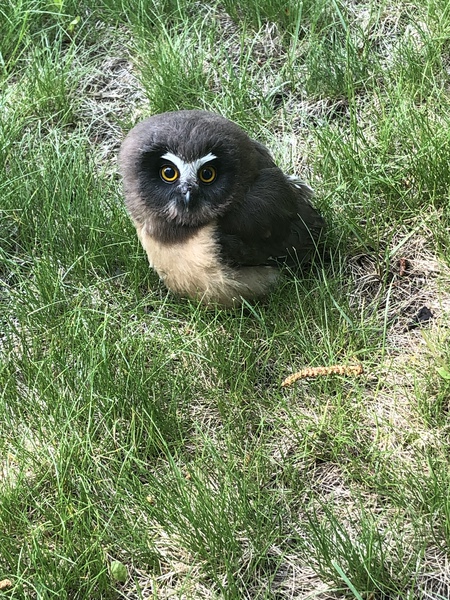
{"points": [[214, 213]]}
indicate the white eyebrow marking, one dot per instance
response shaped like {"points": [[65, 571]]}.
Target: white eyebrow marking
{"points": [[188, 170], [203, 160]]}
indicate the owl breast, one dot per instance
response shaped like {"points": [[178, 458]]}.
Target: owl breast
{"points": [[192, 268]]}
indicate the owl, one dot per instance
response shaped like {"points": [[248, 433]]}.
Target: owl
{"points": [[215, 215]]}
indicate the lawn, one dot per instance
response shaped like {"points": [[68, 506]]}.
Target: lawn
{"points": [[147, 447]]}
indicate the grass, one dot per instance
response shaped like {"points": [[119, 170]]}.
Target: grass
{"points": [[145, 431]]}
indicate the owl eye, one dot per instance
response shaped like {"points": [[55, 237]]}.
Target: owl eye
{"points": [[169, 174], [207, 174]]}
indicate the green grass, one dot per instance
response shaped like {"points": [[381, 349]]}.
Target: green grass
{"points": [[140, 428]]}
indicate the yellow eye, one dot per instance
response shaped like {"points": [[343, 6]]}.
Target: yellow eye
{"points": [[169, 174], [207, 174]]}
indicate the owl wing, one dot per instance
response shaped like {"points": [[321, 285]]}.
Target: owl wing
{"points": [[275, 221]]}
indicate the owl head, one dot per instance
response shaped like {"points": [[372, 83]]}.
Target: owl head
{"points": [[185, 168]]}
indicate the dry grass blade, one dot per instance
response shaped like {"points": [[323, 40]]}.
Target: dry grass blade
{"points": [[312, 372]]}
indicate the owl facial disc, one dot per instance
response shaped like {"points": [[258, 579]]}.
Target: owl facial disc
{"points": [[188, 172]]}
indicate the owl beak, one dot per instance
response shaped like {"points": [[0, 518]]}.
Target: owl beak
{"points": [[187, 193]]}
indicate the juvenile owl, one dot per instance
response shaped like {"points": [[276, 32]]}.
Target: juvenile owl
{"points": [[213, 212]]}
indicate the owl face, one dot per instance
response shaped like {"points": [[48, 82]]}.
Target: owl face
{"points": [[184, 191], [187, 167]]}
